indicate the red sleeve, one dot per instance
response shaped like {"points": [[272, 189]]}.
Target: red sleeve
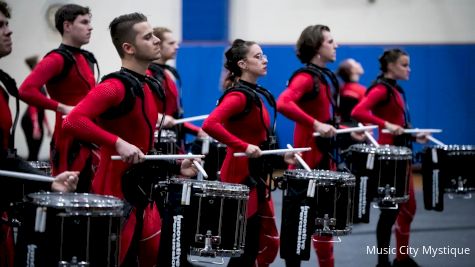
{"points": [[232, 104], [30, 89], [287, 102], [80, 122], [363, 110], [191, 128]]}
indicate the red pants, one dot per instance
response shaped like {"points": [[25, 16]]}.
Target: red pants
{"points": [[268, 235], [150, 238], [404, 220]]}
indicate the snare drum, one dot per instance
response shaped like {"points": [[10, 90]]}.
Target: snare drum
{"points": [[167, 143], [211, 216], [214, 152], [43, 166], [72, 229], [447, 169], [317, 202], [387, 170]]}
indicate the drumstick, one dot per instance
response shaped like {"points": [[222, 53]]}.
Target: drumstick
{"points": [[200, 168], [165, 157], [370, 137], [195, 118], [416, 130], [352, 129], [435, 140], [300, 160], [27, 176], [275, 151]]}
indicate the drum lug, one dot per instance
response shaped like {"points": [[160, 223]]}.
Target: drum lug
{"points": [[325, 222]]}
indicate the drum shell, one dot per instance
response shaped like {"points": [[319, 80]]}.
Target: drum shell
{"points": [[300, 211], [91, 234], [213, 159], [210, 202]]}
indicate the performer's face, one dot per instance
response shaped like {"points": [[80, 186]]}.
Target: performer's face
{"points": [[146, 45], [169, 46], [255, 62], [81, 29], [400, 69], [327, 50], [5, 36]]}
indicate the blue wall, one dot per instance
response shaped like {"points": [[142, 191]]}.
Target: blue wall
{"points": [[440, 91]]}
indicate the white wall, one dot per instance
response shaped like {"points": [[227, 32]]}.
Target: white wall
{"points": [[32, 35], [355, 21]]}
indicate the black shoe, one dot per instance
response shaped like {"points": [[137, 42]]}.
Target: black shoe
{"points": [[407, 262], [384, 264]]}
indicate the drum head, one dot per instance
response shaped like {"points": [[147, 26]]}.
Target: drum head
{"points": [[320, 175], [384, 151], [79, 203], [215, 188]]}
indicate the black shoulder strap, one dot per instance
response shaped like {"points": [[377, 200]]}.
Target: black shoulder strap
{"points": [[157, 72], [174, 72], [251, 98], [133, 88], [12, 89], [389, 91], [68, 59], [317, 76]]}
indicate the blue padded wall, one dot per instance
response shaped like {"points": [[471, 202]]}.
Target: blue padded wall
{"points": [[205, 20], [440, 91]]}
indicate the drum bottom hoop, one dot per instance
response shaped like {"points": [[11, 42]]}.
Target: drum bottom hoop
{"points": [[219, 252], [335, 232]]}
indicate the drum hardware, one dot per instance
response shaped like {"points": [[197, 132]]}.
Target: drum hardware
{"points": [[73, 263]]}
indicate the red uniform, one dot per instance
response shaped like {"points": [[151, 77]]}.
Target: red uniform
{"points": [[237, 134], [376, 108], [68, 90], [105, 132], [304, 111], [6, 234]]}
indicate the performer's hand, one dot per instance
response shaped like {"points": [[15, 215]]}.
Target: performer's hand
{"points": [[422, 138], [128, 152], [253, 151], [394, 128], [169, 121], [325, 130], [64, 109], [289, 157], [65, 182], [188, 169], [202, 134], [358, 136]]}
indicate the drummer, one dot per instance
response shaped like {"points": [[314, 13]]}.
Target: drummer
{"points": [[64, 182], [96, 119], [385, 105], [242, 122]]}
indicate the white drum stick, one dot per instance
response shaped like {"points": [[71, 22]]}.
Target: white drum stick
{"points": [[435, 140], [300, 160], [370, 137], [27, 176], [195, 118], [352, 129], [417, 130], [200, 168], [275, 151], [165, 157]]}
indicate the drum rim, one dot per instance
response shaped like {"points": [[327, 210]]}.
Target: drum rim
{"points": [[200, 185], [455, 147], [50, 199], [381, 150], [321, 175]]}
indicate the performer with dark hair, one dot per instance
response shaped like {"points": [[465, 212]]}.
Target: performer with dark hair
{"points": [[170, 79], [120, 115], [385, 105], [12, 189], [308, 100], [68, 75], [243, 123]]}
